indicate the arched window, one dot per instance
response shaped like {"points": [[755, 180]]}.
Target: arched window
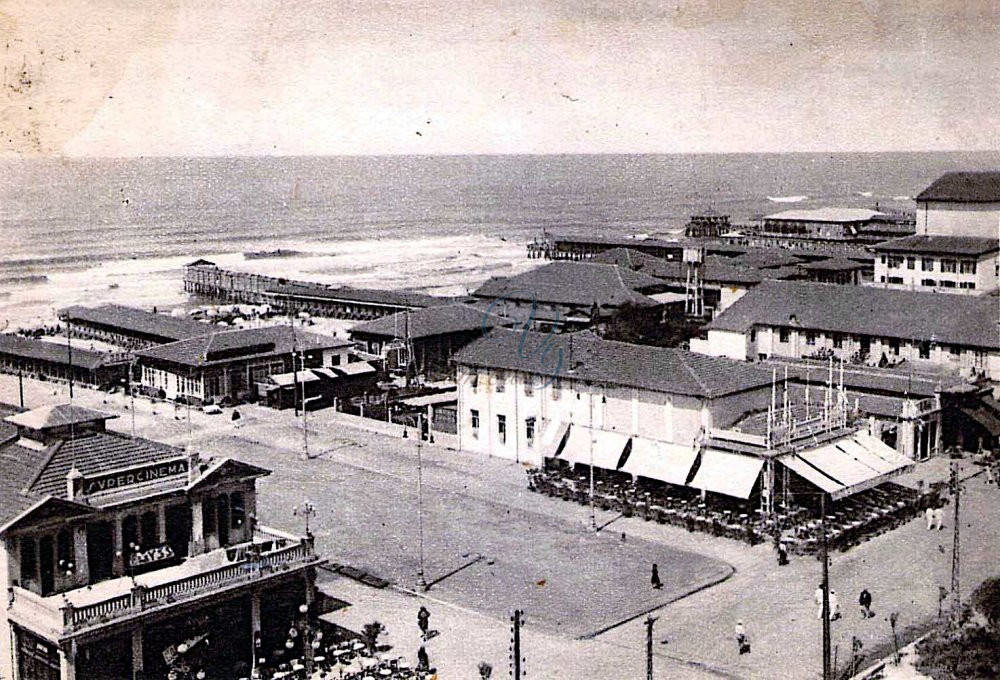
{"points": [[130, 537], [149, 535]]}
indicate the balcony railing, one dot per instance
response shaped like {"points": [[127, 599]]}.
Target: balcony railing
{"points": [[270, 552]]}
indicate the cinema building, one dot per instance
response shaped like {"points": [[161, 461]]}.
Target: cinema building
{"points": [[126, 558]]}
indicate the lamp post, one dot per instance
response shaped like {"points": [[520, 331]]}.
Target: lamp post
{"points": [[593, 512], [306, 510]]}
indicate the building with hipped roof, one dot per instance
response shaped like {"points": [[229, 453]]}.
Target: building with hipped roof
{"points": [[121, 556], [228, 364], [860, 324], [53, 360], [967, 265], [961, 204], [129, 327]]}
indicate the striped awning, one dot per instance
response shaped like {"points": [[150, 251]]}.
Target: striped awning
{"points": [[849, 465], [727, 473], [660, 460], [602, 448]]}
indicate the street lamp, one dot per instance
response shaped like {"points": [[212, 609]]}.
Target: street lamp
{"points": [[307, 510]]}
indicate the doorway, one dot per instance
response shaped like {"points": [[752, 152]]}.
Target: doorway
{"points": [[46, 565], [100, 551], [178, 520]]}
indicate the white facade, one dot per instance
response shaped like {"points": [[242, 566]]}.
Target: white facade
{"points": [[969, 275], [950, 218], [768, 341], [498, 411], [172, 384]]}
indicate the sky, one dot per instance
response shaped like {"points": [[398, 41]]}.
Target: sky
{"points": [[315, 77]]}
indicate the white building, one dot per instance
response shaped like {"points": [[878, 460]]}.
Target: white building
{"points": [[961, 204], [949, 264], [859, 324], [530, 396]]}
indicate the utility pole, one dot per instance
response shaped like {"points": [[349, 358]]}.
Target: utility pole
{"points": [[69, 347], [956, 560], [593, 512], [305, 421], [20, 386], [421, 578], [827, 675], [131, 393], [515, 645], [649, 646]]}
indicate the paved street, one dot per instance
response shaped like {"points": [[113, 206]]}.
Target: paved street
{"points": [[364, 486]]}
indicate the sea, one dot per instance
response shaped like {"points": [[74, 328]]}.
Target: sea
{"points": [[86, 231]]}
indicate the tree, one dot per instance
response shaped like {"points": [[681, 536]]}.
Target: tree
{"points": [[640, 325], [986, 601]]}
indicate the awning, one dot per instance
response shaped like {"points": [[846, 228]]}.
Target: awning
{"points": [[849, 465], [431, 400], [291, 379], [606, 447], [727, 473], [984, 417], [355, 368], [554, 439], [659, 460]]}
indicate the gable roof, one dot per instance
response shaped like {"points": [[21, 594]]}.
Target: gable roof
{"points": [[965, 320], [57, 415], [54, 352], [428, 322], [228, 468], [580, 284], [587, 357], [964, 187], [225, 346], [135, 320], [940, 245]]}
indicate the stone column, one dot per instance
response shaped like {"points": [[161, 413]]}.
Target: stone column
{"points": [[161, 523], [137, 661], [67, 661], [197, 528], [80, 560]]}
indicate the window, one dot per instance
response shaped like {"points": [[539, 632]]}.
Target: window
{"points": [[883, 259], [783, 335], [896, 280], [475, 384], [928, 283], [475, 422], [148, 530], [753, 335], [911, 263], [529, 430], [947, 284], [556, 388], [64, 551], [955, 351], [810, 338], [208, 517], [894, 262], [529, 389], [502, 429], [968, 266], [968, 285], [925, 350], [893, 345], [335, 360], [237, 510], [881, 279], [927, 264], [949, 266], [838, 341], [501, 386], [29, 559]]}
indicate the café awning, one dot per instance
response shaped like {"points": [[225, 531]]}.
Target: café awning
{"points": [[659, 460], [554, 438], [849, 465], [727, 473], [605, 447]]}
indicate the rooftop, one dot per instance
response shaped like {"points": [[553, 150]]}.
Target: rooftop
{"points": [[428, 322], [968, 321], [964, 187], [583, 356], [825, 215], [30, 348], [580, 284], [397, 298], [228, 345], [56, 415], [136, 321], [940, 245]]}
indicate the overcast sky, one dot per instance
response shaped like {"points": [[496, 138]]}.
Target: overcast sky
{"points": [[125, 78]]}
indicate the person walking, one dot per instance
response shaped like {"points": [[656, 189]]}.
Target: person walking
{"points": [[782, 555], [655, 578], [865, 602], [742, 641], [424, 621], [423, 663], [834, 606], [939, 517], [819, 602], [929, 514], [990, 473]]}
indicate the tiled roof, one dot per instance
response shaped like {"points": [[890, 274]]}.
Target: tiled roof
{"points": [[130, 319], [890, 381], [58, 353], [57, 415], [398, 298], [966, 320], [940, 245], [226, 346], [825, 215], [637, 261], [586, 357], [428, 322], [835, 264], [17, 469], [765, 258], [95, 453], [964, 187], [579, 284]]}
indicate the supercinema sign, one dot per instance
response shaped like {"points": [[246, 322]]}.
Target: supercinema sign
{"points": [[139, 475]]}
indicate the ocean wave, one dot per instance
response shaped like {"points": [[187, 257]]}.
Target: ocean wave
{"points": [[787, 199], [902, 198], [866, 194]]}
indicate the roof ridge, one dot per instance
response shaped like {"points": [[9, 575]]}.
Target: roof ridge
{"points": [[684, 361]]}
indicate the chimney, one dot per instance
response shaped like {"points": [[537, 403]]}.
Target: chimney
{"points": [[74, 484]]}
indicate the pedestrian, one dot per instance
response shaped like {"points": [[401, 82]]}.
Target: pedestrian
{"points": [[819, 602], [782, 555], [929, 513], [655, 578], [424, 621], [742, 641], [939, 517], [834, 606], [423, 663], [990, 475], [865, 601]]}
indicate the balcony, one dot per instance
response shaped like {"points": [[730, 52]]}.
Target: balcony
{"points": [[65, 614]]}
